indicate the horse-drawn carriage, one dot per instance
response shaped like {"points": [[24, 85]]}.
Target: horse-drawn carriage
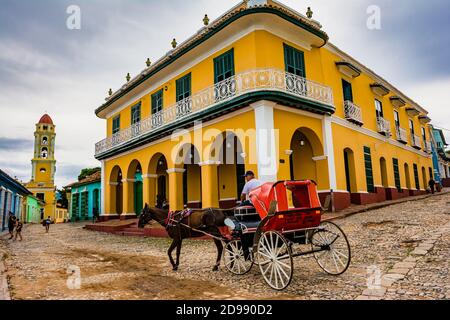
{"points": [[285, 214]]}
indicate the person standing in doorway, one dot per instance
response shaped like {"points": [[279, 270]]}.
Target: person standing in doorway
{"points": [[11, 224], [252, 184]]}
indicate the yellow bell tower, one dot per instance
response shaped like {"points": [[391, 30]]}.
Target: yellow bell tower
{"points": [[42, 182]]}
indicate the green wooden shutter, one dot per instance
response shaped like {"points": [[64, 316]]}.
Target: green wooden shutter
{"points": [[397, 175], [224, 66], [348, 92], [157, 101], [116, 124], [183, 87], [369, 170], [294, 61], [416, 177]]}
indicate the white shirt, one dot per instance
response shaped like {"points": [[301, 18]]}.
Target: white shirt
{"points": [[249, 186]]}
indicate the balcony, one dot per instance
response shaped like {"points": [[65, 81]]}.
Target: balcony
{"points": [[353, 113], [415, 142], [384, 127], [401, 135], [240, 85]]}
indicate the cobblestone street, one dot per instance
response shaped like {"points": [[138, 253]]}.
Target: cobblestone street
{"points": [[408, 243]]}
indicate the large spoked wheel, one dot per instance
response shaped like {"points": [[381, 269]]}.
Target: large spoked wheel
{"points": [[274, 258], [334, 256], [237, 260]]}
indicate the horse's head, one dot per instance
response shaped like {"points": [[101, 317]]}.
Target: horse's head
{"points": [[145, 217]]}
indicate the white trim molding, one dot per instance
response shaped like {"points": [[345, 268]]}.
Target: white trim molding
{"points": [[329, 150], [176, 170]]}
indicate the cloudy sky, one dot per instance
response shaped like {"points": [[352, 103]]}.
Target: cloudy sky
{"points": [[45, 67]]}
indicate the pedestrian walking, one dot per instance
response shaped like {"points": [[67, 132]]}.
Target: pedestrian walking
{"points": [[19, 226], [47, 223], [432, 185], [11, 224]]}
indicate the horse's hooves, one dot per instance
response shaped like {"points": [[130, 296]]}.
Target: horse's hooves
{"points": [[175, 269], [215, 269]]}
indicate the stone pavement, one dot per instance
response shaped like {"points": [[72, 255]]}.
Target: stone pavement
{"points": [[407, 244]]}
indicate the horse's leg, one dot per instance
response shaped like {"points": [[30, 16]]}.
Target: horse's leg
{"points": [[219, 246], [172, 247], [180, 242]]}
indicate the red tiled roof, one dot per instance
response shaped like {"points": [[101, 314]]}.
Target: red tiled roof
{"points": [[95, 177], [46, 119]]}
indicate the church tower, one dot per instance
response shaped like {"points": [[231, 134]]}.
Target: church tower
{"points": [[42, 182]]}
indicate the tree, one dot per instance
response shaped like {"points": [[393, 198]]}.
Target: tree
{"points": [[87, 172], [62, 199]]}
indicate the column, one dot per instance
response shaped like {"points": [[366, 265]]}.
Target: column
{"points": [[102, 190], [149, 189], [109, 206], [329, 151], [2, 206], [128, 199], [210, 181], [266, 138], [176, 189]]}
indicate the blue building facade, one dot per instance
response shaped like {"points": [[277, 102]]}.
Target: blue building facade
{"points": [[12, 199], [85, 198]]}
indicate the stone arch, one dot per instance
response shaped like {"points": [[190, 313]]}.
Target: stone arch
{"points": [[134, 182], [116, 191], [350, 170], [157, 169], [306, 147]]}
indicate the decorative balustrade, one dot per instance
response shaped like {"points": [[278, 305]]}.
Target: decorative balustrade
{"points": [[240, 84], [353, 112], [384, 126], [415, 141], [401, 135]]}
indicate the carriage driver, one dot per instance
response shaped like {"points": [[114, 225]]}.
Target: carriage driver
{"points": [[251, 184]]}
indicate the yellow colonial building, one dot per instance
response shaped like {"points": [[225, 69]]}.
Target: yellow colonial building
{"points": [[43, 164], [261, 88]]}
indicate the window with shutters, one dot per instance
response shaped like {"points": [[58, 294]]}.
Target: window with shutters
{"points": [[379, 108], [157, 101], [369, 170], [397, 175], [116, 125], [224, 66], [397, 119], [416, 177], [348, 92], [183, 87], [294, 61], [136, 113]]}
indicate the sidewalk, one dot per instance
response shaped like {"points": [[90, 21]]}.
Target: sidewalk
{"points": [[355, 209]]}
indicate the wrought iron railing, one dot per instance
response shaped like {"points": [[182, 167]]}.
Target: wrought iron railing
{"points": [[384, 126], [240, 84], [353, 113], [401, 134]]}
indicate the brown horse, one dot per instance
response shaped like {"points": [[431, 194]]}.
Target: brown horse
{"points": [[207, 220]]}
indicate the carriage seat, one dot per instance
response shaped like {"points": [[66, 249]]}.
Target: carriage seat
{"points": [[246, 214]]}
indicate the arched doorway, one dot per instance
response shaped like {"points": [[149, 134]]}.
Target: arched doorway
{"points": [[116, 191], [384, 175], [408, 177], [135, 196], [229, 152], [424, 178], [162, 187], [305, 146], [350, 174], [189, 158]]}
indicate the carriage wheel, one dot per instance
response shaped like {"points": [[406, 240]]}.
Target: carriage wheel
{"points": [[274, 258], [235, 259], [335, 256]]}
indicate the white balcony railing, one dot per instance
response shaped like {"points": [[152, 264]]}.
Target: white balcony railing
{"points": [[384, 126], [353, 112], [401, 135], [240, 84], [415, 141]]}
